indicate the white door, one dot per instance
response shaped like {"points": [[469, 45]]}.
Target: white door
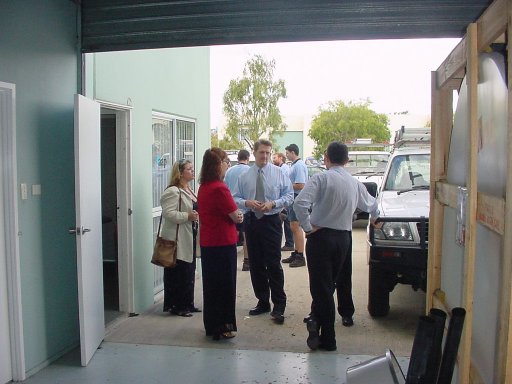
{"points": [[88, 226]]}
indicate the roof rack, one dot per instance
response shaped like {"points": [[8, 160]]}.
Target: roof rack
{"points": [[366, 144], [405, 137]]}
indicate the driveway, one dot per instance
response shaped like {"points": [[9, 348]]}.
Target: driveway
{"points": [[368, 336]]}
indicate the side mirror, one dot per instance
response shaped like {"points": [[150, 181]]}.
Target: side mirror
{"points": [[371, 187]]}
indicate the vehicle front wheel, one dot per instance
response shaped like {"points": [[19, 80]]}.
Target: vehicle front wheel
{"points": [[378, 292]]}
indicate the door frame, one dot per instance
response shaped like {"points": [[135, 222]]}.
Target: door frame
{"points": [[124, 200], [10, 203]]}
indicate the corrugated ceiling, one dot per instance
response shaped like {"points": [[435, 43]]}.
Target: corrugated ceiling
{"points": [[109, 25]]}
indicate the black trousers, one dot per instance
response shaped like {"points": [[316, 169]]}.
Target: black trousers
{"points": [[178, 286], [179, 283], [344, 285], [263, 238], [326, 252], [288, 234], [218, 265]]}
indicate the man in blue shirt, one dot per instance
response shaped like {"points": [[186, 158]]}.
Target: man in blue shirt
{"points": [[262, 192], [280, 160], [298, 177], [231, 179]]}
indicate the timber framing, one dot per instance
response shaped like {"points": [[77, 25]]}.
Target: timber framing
{"points": [[491, 211]]}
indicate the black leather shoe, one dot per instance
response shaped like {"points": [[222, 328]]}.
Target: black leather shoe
{"points": [[181, 312], [313, 339], [326, 347], [347, 321], [258, 310], [277, 316], [306, 318]]}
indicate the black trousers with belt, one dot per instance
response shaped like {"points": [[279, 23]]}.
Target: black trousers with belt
{"points": [[326, 252], [263, 238]]}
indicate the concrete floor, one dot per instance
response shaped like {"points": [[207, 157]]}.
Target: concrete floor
{"points": [[132, 363], [156, 347]]}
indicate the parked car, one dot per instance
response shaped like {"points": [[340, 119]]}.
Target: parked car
{"points": [[368, 166], [397, 253], [314, 169], [233, 157]]}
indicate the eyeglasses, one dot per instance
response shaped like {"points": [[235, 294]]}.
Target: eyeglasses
{"points": [[227, 162]]}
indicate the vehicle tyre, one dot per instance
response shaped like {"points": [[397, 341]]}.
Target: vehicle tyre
{"points": [[378, 292]]}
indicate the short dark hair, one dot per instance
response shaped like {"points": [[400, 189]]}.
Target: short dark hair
{"points": [[210, 169], [337, 152], [243, 154], [293, 148], [264, 142]]}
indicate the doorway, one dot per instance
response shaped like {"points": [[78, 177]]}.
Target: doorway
{"points": [[12, 362], [116, 212]]}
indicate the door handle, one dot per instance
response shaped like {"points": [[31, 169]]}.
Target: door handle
{"points": [[74, 231], [84, 230]]}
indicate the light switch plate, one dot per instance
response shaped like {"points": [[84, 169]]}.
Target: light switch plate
{"points": [[24, 191]]}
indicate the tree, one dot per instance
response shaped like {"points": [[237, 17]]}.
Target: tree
{"points": [[250, 104], [345, 122]]}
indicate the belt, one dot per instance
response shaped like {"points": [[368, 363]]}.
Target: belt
{"points": [[251, 213], [326, 229]]}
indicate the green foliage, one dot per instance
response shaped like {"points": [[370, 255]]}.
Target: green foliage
{"points": [[225, 143], [345, 122], [250, 104]]}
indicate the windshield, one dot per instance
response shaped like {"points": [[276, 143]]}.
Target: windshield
{"points": [[366, 163], [408, 172]]}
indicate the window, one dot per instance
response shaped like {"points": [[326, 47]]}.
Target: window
{"points": [[173, 139]]}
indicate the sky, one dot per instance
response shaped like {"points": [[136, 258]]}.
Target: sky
{"points": [[393, 74]]}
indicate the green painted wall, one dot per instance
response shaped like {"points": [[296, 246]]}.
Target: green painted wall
{"points": [[174, 81], [290, 137], [38, 53]]}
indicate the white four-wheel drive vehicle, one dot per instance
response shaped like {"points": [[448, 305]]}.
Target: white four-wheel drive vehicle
{"points": [[397, 252]]}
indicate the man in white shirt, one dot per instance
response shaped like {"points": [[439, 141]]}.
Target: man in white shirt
{"points": [[333, 197]]}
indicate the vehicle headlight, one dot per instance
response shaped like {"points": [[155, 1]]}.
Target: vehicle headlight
{"points": [[394, 231]]}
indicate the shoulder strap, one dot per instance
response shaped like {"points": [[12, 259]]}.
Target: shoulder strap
{"points": [[177, 225], [160, 222]]}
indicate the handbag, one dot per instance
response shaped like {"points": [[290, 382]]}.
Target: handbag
{"points": [[164, 252]]}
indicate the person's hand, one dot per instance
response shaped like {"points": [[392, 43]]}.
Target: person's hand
{"points": [[255, 205], [266, 206], [376, 223], [313, 230], [193, 216], [240, 217]]}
